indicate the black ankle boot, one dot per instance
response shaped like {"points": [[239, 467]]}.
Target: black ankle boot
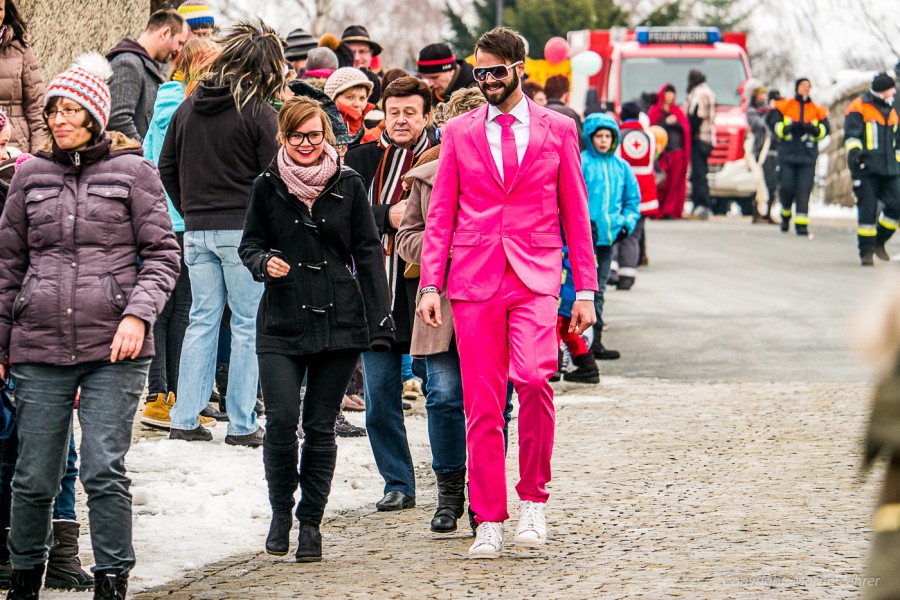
{"points": [[309, 544], [451, 500], [110, 585], [599, 351], [64, 570], [26, 584], [279, 539], [586, 370]]}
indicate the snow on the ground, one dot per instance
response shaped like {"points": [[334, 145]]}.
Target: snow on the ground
{"points": [[820, 210], [196, 503]]}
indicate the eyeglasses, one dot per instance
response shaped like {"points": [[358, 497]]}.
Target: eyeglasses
{"points": [[498, 72], [295, 138], [68, 112]]}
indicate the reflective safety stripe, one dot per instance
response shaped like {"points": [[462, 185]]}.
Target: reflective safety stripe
{"points": [[614, 265], [821, 133], [627, 272], [897, 155], [871, 135], [852, 143], [887, 518], [779, 128], [866, 231], [802, 219], [785, 213], [887, 222]]}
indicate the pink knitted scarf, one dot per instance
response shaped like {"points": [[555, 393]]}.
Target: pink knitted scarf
{"points": [[306, 183]]}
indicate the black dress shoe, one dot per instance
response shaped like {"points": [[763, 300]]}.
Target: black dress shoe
{"points": [[395, 501], [279, 539], [210, 411]]}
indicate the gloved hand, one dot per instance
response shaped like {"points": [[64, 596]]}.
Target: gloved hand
{"points": [[793, 129], [856, 161], [811, 129], [622, 234]]}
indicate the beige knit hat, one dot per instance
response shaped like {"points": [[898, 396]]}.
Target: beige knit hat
{"points": [[345, 78]]}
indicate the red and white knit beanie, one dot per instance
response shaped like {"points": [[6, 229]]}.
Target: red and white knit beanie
{"points": [[85, 83], [345, 78]]}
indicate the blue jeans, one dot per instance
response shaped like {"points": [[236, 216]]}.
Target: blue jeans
{"points": [[45, 399], [217, 272], [406, 371], [604, 259], [384, 420], [446, 417]]}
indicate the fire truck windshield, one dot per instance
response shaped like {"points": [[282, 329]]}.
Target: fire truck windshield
{"points": [[647, 73]]}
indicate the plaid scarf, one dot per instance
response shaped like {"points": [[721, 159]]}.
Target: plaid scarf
{"points": [[387, 188]]}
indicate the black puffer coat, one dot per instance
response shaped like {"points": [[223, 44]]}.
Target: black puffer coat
{"points": [[321, 304]]}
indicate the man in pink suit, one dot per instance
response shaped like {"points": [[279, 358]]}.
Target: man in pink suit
{"points": [[509, 173]]}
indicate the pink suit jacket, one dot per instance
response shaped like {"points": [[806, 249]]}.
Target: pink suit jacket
{"points": [[488, 226]]}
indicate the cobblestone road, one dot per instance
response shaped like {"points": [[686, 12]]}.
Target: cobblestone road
{"points": [[691, 486]]}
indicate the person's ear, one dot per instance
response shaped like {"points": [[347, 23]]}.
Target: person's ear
{"points": [[280, 138]]}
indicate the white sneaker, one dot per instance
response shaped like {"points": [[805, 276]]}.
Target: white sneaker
{"points": [[532, 529], [488, 541]]}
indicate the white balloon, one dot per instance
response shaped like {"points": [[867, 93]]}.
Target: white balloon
{"points": [[586, 63]]}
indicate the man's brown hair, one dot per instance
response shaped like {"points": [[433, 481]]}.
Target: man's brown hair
{"points": [[502, 42], [556, 87], [408, 86], [166, 18]]}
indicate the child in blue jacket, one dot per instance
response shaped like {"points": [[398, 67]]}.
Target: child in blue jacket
{"points": [[613, 201]]}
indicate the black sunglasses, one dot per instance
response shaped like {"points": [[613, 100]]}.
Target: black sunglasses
{"points": [[498, 72]]}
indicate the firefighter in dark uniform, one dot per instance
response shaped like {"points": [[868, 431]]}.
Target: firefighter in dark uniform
{"points": [[799, 123], [872, 141]]}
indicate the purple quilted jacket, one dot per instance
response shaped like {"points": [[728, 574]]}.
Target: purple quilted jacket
{"points": [[85, 239]]}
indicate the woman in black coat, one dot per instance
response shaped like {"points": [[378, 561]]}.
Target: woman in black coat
{"points": [[310, 236]]}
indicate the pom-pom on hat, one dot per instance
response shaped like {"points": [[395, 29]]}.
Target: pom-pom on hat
{"points": [[345, 78], [197, 14], [882, 82], [85, 83]]}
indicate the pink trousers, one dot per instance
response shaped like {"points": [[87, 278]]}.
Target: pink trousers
{"points": [[512, 336]]}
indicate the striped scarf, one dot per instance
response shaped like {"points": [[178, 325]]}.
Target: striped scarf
{"points": [[387, 188]]}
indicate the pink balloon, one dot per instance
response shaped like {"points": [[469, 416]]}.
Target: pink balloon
{"points": [[556, 50]]}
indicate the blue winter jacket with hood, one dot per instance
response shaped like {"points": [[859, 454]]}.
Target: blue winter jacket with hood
{"points": [[168, 99], [613, 192]]}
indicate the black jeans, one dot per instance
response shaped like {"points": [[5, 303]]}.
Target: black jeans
{"points": [[874, 229], [328, 374], [168, 333], [700, 152]]}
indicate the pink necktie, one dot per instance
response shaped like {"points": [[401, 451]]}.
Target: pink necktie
{"points": [[508, 149]]}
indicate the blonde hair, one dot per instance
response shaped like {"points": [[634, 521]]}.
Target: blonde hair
{"points": [[460, 102], [300, 109], [194, 61]]}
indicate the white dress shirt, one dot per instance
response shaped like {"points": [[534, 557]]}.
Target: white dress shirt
{"points": [[522, 130]]}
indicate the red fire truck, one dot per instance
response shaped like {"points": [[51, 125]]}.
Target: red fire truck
{"points": [[642, 60]]}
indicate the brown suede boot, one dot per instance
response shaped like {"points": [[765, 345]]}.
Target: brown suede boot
{"points": [[64, 570]]}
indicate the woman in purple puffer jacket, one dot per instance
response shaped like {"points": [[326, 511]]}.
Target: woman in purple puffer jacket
{"points": [[87, 261]]}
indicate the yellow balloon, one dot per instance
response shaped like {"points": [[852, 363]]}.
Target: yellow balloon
{"points": [[662, 138]]}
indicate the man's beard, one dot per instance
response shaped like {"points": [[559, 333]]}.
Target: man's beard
{"points": [[508, 88]]}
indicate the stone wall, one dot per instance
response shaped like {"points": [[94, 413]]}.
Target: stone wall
{"points": [[838, 186], [60, 30]]}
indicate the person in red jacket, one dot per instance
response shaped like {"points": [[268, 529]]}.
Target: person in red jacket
{"points": [[638, 148], [674, 161]]}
